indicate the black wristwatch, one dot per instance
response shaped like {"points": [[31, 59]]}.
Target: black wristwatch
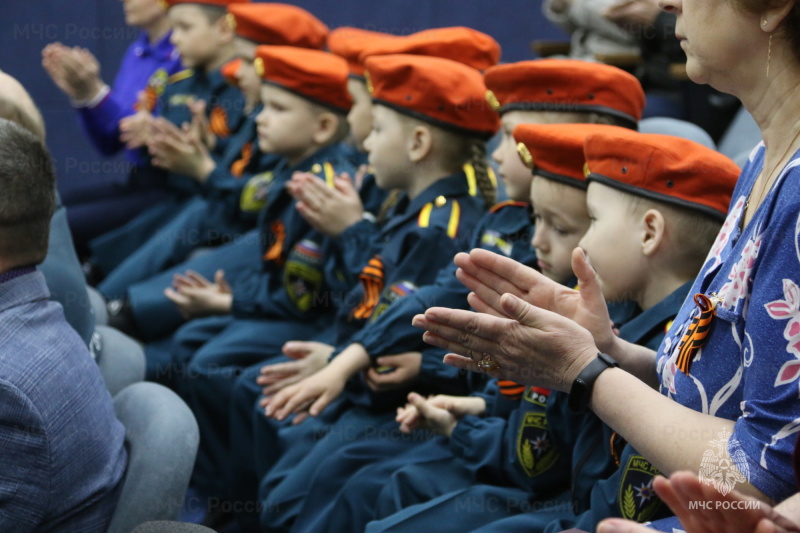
{"points": [[581, 391]]}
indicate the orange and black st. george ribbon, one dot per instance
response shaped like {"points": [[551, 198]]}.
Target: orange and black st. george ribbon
{"points": [[218, 122], [511, 389], [697, 333], [616, 444], [237, 169], [275, 251], [372, 279]]}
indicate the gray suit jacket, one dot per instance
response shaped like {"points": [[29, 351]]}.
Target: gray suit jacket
{"points": [[62, 454]]}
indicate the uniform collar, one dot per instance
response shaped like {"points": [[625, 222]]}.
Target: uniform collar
{"points": [[328, 153], [665, 310], [163, 48]]}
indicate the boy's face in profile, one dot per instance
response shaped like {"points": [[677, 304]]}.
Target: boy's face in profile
{"points": [[194, 36], [360, 115], [613, 242], [561, 220], [515, 175], [286, 124]]}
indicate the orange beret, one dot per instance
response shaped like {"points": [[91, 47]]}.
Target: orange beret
{"points": [[280, 24], [349, 43], [442, 92], [218, 3], [555, 151], [567, 85], [230, 71], [662, 168], [465, 45], [318, 76]]}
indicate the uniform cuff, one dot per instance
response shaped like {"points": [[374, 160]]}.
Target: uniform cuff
{"points": [[91, 102]]}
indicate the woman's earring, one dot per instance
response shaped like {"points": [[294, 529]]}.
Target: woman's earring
{"points": [[769, 53]]}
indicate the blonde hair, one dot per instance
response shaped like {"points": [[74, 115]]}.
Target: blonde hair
{"points": [[461, 149]]}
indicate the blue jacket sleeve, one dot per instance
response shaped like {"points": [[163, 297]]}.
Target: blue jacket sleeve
{"points": [[520, 450], [415, 261], [392, 331], [480, 444]]}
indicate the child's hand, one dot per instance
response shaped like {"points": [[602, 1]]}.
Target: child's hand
{"points": [[136, 129], [200, 128], [195, 296], [328, 210], [406, 370], [421, 412], [308, 397], [179, 151], [309, 357]]}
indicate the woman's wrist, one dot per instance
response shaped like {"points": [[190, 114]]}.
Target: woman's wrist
{"points": [[583, 356]]}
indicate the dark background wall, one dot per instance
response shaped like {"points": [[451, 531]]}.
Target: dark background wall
{"points": [[26, 26]]}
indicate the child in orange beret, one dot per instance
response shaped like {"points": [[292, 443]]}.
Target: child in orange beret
{"points": [[349, 43], [269, 24], [329, 209], [460, 44], [662, 198]]}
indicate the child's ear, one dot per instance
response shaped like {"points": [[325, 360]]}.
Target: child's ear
{"points": [[419, 143], [653, 231], [226, 32], [327, 125]]}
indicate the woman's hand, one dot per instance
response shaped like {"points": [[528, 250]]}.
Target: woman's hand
{"points": [[489, 276], [730, 513], [196, 296], [309, 357], [533, 346], [328, 210]]}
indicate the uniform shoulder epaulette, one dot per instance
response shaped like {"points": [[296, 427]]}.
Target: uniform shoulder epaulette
{"points": [[181, 75], [472, 181], [436, 209], [325, 171], [497, 207]]}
